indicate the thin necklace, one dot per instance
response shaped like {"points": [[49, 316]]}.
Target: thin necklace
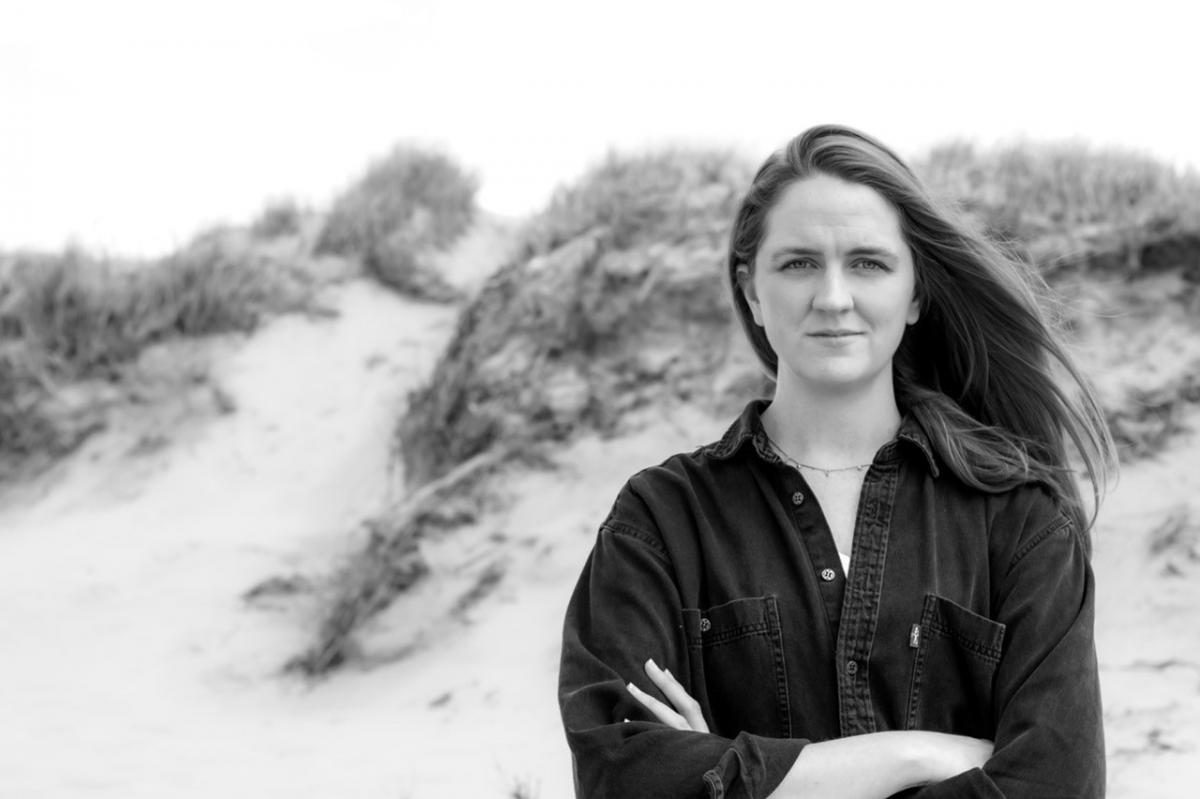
{"points": [[798, 465]]}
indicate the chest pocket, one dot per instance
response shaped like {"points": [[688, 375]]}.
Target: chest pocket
{"points": [[952, 679], [738, 673]]}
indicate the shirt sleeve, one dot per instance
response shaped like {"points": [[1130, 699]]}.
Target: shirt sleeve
{"points": [[1049, 738], [626, 609]]}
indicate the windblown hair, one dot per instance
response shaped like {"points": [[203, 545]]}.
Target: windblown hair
{"points": [[983, 369]]}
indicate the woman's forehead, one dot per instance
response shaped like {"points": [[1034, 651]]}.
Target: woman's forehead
{"points": [[823, 211]]}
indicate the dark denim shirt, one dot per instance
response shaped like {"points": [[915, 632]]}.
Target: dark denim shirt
{"points": [[963, 612]]}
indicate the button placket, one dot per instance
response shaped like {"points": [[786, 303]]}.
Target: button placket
{"points": [[861, 606]]}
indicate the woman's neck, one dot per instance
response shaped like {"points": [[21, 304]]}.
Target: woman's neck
{"points": [[832, 430]]}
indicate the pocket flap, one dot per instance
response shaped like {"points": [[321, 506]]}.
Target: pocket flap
{"points": [[968, 629], [730, 621]]}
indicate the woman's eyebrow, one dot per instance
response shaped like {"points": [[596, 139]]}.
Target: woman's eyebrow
{"points": [[876, 251], [795, 250]]}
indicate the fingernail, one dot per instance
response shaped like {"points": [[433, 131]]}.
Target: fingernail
{"points": [[651, 662], [667, 672], [633, 689]]}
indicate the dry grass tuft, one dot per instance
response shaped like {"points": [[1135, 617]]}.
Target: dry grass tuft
{"points": [[70, 317], [1067, 205], [1150, 416], [391, 562], [667, 197], [1175, 542], [523, 788], [279, 219], [407, 206]]}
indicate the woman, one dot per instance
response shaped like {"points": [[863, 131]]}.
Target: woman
{"points": [[879, 580]]}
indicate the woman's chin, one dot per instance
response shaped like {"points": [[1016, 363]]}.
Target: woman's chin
{"points": [[843, 379]]}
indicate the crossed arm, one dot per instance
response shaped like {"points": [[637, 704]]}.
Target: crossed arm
{"points": [[1048, 733], [870, 766]]}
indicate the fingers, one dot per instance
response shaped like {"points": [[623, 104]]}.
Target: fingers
{"points": [[684, 704], [659, 710], [685, 715]]}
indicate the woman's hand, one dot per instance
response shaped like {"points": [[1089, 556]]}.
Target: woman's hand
{"points": [[948, 755], [685, 713]]}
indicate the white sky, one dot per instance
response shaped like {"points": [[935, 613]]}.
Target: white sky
{"points": [[127, 125]]}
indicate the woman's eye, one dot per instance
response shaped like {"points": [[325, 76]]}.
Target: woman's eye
{"points": [[799, 263], [871, 266]]}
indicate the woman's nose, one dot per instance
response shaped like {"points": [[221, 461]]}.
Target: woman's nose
{"points": [[833, 294]]}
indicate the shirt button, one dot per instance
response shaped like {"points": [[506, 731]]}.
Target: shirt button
{"points": [[852, 667], [705, 625], [828, 574], [798, 498]]}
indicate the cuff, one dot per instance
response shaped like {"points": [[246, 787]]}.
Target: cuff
{"points": [[973, 783], [752, 767]]}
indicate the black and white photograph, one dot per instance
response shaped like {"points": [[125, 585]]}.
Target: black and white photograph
{"points": [[409, 399]]}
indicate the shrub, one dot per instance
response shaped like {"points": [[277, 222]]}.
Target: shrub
{"points": [[209, 289], [27, 430], [1067, 204], [391, 563], [280, 218], [75, 315], [1147, 418], [666, 196], [406, 205], [70, 316]]}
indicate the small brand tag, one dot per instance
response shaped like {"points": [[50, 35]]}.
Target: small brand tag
{"points": [[914, 636]]}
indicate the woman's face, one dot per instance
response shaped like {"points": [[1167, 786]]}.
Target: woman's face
{"points": [[833, 284]]}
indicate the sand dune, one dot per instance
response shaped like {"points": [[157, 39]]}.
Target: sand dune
{"points": [[132, 665]]}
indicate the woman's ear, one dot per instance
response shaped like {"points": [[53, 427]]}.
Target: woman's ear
{"points": [[745, 279], [918, 300]]}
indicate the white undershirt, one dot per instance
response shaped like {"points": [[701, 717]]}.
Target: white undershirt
{"points": [[845, 562]]}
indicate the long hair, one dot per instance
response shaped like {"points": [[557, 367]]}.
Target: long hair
{"points": [[983, 369]]}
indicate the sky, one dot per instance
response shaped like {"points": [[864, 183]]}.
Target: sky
{"points": [[128, 126]]}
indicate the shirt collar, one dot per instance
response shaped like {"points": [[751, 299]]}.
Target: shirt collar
{"points": [[749, 429]]}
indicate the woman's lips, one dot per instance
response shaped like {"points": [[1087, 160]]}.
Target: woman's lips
{"points": [[835, 339]]}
